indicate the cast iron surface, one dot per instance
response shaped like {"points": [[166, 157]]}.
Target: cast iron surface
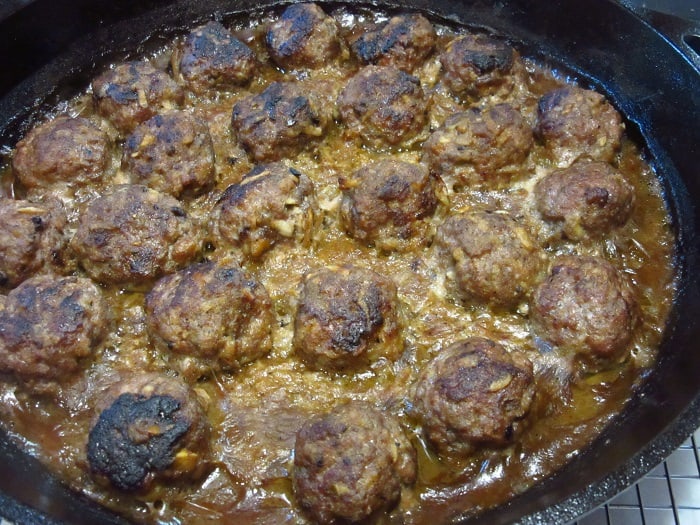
{"points": [[651, 83]]}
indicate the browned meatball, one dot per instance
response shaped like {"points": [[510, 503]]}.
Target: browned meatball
{"points": [[404, 41], [272, 204], [386, 204], [575, 122], [303, 37], [474, 393], [47, 327], [347, 318], [490, 256], [63, 150], [384, 106], [171, 153], [479, 147], [590, 198], [212, 58], [31, 238], [149, 428], [350, 463], [280, 122], [133, 92], [585, 306], [215, 317], [132, 235]]}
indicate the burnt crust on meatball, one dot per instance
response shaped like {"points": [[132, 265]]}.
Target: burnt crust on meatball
{"points": [[348, 317], [133, 235], [351, 463], [474, 394], [384, 106], [73, 151]]}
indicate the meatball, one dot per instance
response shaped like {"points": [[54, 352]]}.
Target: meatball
{"points": [[280, 122], [303, 37], [387, 204], [489, 256], [150, 428], [479, 147], [271, 204], [48, 327], [63, 150], [350, 463], [212, 58], [590, 198], [574, 122], [585, 306], [216, 317], [384, 106], [347, 318], [31, 238], [133, 235], [474, 394], [132, 93], [171, 153], [404, 41]]}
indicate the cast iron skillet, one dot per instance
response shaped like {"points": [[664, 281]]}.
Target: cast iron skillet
{"points": [[47, 56]]}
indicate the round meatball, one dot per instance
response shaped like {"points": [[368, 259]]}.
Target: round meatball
{"points": [[384, 106], [132, 93], [589, 198], [280, 122], [574, 122], [63, 150], [48, 326], [149, 428], [216, 317], [31, 238], [133, 235], [350, 463], [490, 257], [347, 318], [303, 37], [171, 153], [271, 204], [473, 394], [404, 41], [387, 204], [212, 58], [479, 147], [585, 306]]}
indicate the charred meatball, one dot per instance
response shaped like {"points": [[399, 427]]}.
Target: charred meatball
{"points": [[589, 198], [272, 203], [149, 428], [303, 37], [216, 317], [351, 463], [132, 93], [384, 106], [473, 394], [133, 235], [171, 153], [574, 122], [489, 256], [47, 327], [31, 238], [386, 204], [212, 58], [64, 150], [404, 41], [347, 318], [280, 122], [585, 306], [479, 147]]}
